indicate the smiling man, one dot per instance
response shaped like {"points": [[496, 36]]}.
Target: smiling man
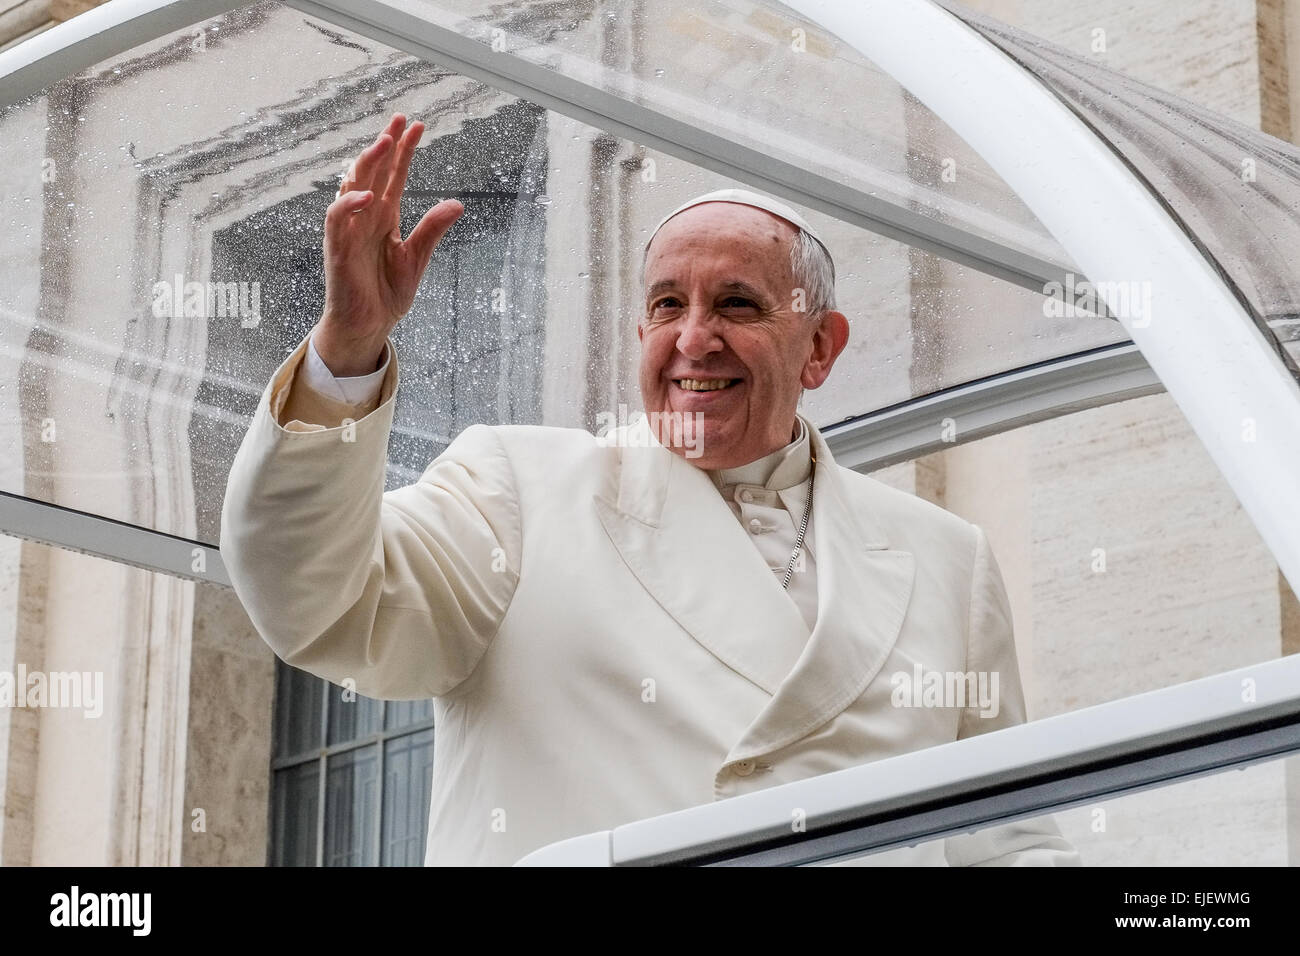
{"points": [[731, 336], [611, 628]]}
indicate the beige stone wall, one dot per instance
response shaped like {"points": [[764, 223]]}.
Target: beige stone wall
{"points": [[227, 773], [87, 788]]}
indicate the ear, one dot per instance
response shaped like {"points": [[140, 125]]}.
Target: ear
{"points": [[829, 339]]}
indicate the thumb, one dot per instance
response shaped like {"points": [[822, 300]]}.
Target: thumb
{"points": [[433, 225]]}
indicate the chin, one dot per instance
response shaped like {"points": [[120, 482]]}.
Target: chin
{"points": [[712, 446], [676, 431]]}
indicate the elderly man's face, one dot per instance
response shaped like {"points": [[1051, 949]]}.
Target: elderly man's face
{"points": [[720, 335]]}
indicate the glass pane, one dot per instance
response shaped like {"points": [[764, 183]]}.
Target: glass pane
{"points": [[295, 812], [727, 67], [299, 702], [921, 324], [1236, 190], [1244, 817], [352, 716], [147, 364], [351, 808], [1128, 563], [403, 713], [129, 391], [408, 782]]}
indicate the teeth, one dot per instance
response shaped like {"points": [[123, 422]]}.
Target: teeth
{"points": [[704, 384]]}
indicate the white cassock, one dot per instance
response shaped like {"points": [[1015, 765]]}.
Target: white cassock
{"points": [[602, 639]]}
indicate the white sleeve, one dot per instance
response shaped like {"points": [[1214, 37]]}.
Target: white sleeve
{"points": [[354, 390], [399, 591]]}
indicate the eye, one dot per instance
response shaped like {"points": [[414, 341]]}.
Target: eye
{"points": [[667, 302], [737, 302]]}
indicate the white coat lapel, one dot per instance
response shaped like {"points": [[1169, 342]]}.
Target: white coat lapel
{"points": [[863, 590], [687, 549]]}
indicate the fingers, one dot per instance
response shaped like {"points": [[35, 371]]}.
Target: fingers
{"points": [[345, 205], [362, 169], [430, 229], [370, 171], [402, 161]]}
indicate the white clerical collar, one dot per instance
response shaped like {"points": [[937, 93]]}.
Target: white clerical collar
{"points": [[782, 469]]}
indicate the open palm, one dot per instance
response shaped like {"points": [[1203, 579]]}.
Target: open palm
{"points": [[371, 273]]}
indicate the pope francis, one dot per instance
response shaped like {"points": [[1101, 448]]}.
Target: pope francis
{"points": [[614, 626]]}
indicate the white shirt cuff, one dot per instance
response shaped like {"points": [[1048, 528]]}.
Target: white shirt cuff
{"points": [[355, 390]]}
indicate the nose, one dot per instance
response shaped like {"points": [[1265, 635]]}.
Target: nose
{"points": [[697, 334]]}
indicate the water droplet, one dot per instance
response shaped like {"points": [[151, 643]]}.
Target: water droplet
{"points": [[542, 199]]}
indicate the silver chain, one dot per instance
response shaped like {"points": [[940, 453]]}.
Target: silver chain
{"points": [[803, 526]]}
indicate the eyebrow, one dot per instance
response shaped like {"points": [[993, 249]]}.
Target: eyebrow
{"points": [[731, 285]]}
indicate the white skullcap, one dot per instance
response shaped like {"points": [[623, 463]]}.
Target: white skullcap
{"points": [[745, 198]]}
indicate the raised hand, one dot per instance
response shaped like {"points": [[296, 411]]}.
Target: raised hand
{"points": [[371, 273]]}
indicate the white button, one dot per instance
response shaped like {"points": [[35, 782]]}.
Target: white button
{"points": [[743, 768], [755, 526], [747, 496]]}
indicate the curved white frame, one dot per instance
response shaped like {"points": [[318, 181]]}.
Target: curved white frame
{"points": [[1205, 348]]}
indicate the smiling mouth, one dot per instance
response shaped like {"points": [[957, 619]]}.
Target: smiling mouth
{"points": [[705, 384]]}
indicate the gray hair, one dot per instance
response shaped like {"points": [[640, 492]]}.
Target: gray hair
{"points": [[814, 272], [812, 268]]}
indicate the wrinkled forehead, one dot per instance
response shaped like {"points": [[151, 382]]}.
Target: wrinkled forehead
{"points": [[747, 198], [722, 221], [735, 235]]}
